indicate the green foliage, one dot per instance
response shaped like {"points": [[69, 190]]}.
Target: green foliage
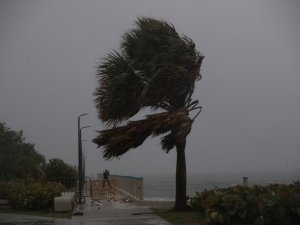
{"points": [[18, 159], [30, 196], [261, 205], [21, 166], [5, 189], [59, 171]]}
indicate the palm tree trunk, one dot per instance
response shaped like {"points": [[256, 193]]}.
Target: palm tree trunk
{"points": [[180, 201]]}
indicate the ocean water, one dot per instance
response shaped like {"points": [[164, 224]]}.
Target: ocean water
{"points": [[162, 187]]}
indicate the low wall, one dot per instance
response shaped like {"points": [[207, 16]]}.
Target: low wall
{"points": [[131, 186], [65, 202]]}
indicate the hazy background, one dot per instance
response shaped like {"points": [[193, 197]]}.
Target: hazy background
{"points": [[49, 51]]}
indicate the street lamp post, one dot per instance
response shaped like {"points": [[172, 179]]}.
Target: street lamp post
{"points": [[81, 165], [80, 158], [84, 151]]}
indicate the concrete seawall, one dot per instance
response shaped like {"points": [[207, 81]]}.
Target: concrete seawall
{"points": [[133, 187]]}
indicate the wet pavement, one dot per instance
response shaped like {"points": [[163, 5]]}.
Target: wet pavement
{"points": [[105, 212]]}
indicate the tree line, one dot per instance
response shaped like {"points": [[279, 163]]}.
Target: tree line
{"points": [[19, 160]]}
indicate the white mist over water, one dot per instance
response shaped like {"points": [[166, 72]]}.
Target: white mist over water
{"points": [[162, 187]]}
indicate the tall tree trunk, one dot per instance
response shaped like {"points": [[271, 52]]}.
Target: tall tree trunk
{"points": [[180, 201]]}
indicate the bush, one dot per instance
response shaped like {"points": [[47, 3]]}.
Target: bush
{"points": [[59, 171], [30, 196], [276, 204]]}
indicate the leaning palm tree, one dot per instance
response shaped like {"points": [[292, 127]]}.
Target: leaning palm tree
{"points": [[155, 68]]}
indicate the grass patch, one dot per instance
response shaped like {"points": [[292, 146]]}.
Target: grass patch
{"points": [[188, 217], [64, 215]]}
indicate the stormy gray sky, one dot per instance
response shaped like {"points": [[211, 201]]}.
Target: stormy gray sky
{"points": [[49, 51]]}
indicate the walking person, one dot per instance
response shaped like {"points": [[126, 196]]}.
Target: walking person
{"points": [[105, 178]]}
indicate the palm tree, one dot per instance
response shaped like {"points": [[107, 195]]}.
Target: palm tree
{"points": [[155, 68]]}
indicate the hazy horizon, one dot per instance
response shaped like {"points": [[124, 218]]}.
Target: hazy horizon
{"points": [[49, 52]]}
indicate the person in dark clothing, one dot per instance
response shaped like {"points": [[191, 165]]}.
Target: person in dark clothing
{"points": [[105, 178]]}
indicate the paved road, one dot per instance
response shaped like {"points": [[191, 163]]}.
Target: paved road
{"points": [[103, 213]]}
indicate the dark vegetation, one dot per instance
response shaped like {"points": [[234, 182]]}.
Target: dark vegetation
{"points": [[275, 204], [30, 195], [25, 177], [60, 172], [157, 68], [18, 159]]}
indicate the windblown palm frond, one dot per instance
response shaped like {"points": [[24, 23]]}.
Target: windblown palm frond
{"points": [[119, 140], [117, 97], [155, 67], [168, 64]]}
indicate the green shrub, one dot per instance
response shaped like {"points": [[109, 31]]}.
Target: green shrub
{"points": [[30, 196], [5, 190], [276, 204], [59, 171]]}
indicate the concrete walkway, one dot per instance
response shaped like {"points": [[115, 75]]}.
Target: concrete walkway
{"points": [[105, 212]]}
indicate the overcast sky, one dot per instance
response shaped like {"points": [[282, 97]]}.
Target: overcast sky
{"points": [[250, 91]]}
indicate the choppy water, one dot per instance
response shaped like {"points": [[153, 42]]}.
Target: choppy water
{"points": [[158, 187]]}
